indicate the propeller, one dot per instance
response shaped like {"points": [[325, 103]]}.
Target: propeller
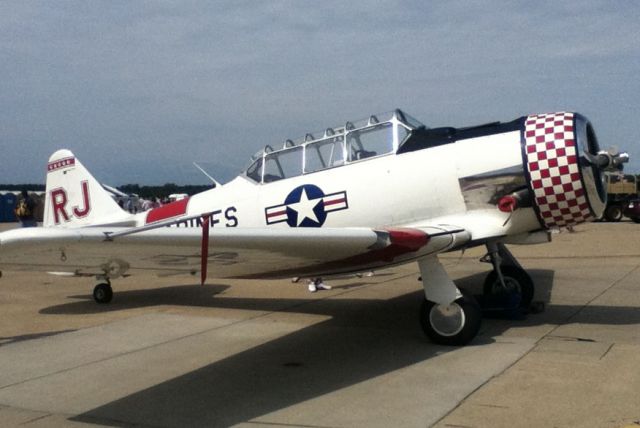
{"points": [[608, 160]]}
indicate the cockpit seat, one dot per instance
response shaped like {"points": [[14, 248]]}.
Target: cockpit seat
{"points": [[363, 154]]}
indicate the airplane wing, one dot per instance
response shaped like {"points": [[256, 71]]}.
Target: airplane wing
{"points": [[224, 252]]}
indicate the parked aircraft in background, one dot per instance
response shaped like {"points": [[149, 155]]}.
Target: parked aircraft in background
{"points": [[365, 195]]}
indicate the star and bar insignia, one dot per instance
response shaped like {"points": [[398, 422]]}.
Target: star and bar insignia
{"points": [[306, 206]]}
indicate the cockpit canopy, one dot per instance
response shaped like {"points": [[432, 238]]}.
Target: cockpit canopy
{"points": [[355, 141]]}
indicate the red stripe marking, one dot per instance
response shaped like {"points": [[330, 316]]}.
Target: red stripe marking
{"points": [[204, 249], [61, 163], [277, 213], [335, 201], [173, 209]]}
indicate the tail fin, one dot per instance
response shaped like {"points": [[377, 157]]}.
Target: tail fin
{"points": [[74, 198]]}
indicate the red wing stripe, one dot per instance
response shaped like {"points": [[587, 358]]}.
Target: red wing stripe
{"points": [[173, 209], [402, 241]]}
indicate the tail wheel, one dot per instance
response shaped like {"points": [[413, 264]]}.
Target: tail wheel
{"points": [[516, 280], [455, 324], [613, 213], [102, 293]]}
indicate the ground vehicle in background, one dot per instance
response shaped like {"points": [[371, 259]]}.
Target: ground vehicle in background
{"points": [[632, 210], [621, 190]]}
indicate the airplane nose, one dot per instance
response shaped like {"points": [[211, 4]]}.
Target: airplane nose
{"points": [[565, 168]]}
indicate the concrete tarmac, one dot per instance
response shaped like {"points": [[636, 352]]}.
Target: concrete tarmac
{"points": [[170, 353]]}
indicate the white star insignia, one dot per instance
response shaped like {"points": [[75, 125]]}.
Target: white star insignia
{"points": [[305, 207]]}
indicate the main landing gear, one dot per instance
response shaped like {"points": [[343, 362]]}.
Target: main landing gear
{"points": [[447, 315], [450, 316], [508, 286], [103, 293]]}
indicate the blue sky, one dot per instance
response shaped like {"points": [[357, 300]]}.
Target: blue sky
{"points": [[139, 90]]}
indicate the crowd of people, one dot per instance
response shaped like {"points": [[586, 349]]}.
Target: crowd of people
{"points": [[27, 206], [134, 204]]}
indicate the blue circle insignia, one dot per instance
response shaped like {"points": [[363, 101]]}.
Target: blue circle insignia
{"points": [[305, 206]]}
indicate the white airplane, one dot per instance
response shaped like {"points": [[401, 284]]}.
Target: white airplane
{"points": [[362, 196]]}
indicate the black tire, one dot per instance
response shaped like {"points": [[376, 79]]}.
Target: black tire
{"points": [[102, 293], [517, 281], [613, 213], [466, 316], [636, 219]]}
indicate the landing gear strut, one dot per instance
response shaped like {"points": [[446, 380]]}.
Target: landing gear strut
{"points": [[447, 315], [508, 284], [102, 293]]}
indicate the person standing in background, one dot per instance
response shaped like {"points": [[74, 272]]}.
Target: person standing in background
{"points": [[25, 209]]}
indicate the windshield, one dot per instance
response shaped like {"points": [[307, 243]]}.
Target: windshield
{"points": [[378, 135], [370, 142], [283, 164]]}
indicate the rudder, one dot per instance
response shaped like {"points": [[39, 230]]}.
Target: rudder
{"points": [[74, 198]]}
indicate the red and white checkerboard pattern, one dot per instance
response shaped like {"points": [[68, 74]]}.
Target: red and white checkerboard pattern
{"points": [[552, 162]]}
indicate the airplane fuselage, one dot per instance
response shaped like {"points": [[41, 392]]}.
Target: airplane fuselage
{"points": [[390, 190]]}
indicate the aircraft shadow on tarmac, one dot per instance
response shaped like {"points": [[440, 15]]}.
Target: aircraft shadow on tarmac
{"points": [[363, 339], [23, 337], [401, 311]]}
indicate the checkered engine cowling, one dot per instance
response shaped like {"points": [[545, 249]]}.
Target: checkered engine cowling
{"points": [[551, 158]]}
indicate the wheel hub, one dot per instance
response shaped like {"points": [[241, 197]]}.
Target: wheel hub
{"points": [[447, 320], [511, 285]]}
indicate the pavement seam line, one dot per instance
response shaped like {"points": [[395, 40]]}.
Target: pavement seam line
{"points": [[36, 419], [607, 351], [495, 376], [282, 424], [587, 304]]}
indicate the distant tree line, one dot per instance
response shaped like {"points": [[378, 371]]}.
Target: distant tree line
{"points": [[162, 191], [142, 191], [20, 187]]}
